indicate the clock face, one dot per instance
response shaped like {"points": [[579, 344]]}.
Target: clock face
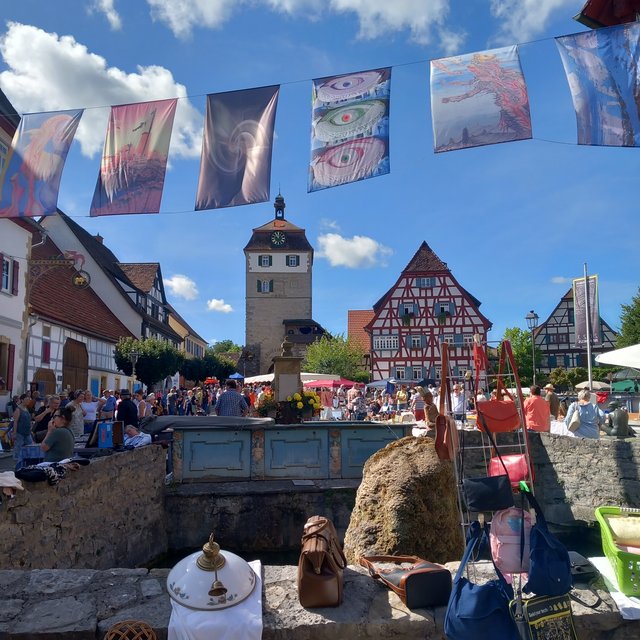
{"points": [[278, 238]]}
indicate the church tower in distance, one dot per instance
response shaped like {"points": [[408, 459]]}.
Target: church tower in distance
{"points": [[279, 261]]}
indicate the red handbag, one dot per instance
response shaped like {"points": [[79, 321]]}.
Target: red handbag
{"points": [[517, 468], [501, 415]]}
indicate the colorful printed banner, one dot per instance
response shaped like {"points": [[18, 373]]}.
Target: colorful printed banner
{"points": [[479, 99], [134, 160], [350, 128], [602, 71], [580, 311], [235, 167], [31, 178]]}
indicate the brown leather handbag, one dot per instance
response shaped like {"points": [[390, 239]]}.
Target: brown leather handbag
{"points": [[321, 565], [418, 583]]}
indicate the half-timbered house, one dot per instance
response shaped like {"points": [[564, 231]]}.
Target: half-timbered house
{"points": [[425, 307], [555, 339]]}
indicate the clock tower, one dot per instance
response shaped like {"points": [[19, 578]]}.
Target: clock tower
{"points": [[278, 264]]}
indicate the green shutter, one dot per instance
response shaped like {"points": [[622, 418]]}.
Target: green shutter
{"points": [[270, 286], [259, 286]]}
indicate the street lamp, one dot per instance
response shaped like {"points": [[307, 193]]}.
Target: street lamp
{"points": [[532, 323], [133, 356]]}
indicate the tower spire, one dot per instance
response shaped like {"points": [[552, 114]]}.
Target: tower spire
{"points": [[279, 206]]}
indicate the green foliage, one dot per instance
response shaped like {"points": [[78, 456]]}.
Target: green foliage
{"points": [[337, 355], [521, 346], [212, 365], [630, 323], [225, 346], [564, 379], [157, 359]]}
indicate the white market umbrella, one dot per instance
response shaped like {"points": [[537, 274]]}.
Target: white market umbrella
{"points": [[625, 357], [595, 385]]}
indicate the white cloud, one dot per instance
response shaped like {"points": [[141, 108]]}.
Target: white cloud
{"points": [[182, 287], [354, 253], [375, 17], [182, 15], [60, 73], [327, 223], [525, 19], [219, 306], [107, 8], [561, 280]]}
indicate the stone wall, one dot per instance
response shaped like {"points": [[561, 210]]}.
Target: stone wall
{"points": [[107, 514]]}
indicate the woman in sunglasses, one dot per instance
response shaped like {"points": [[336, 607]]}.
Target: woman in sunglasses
{"points": [[59, 441]]}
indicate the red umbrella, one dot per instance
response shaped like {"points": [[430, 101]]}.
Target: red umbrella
{"points": [[329, 384]]}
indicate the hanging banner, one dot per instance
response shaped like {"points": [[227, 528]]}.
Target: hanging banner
{"points": [[580, 311], [134, 160], [235, 167], [350, 128], [602, 72], [479, 99], [31, 178]]}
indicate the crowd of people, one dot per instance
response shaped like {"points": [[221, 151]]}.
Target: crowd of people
{"points": [[55, 422]]}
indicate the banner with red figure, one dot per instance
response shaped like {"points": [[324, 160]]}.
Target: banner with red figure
{"points": [[134, 160], [31, 178], [350, 128], [235, 167], [479, 99]]}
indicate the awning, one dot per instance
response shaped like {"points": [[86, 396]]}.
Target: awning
{"points": [[626, 357]]}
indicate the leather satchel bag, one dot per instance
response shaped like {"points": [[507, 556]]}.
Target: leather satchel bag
{"points": [[420, 584], [516, 465], [321, 565], [500, 415], [479, 611]]}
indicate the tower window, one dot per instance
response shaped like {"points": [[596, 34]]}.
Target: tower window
{"points": [[265, 261], [293, 261], [265, 286]]}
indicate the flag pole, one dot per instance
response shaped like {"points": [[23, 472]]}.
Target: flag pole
{"points": [[587, 323]]}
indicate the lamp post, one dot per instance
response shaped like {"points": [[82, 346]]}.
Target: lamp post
{"points": [[133, 356], [532, 323]]}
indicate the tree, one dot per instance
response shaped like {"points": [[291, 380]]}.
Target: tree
{"points": [[225, 346], [157, 359], [521, 346], [337, 355], [212, 365], [630, 323]]}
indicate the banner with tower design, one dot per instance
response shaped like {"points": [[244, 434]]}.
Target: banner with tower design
{"points": [[134, 160], [602, 72], [479, 99], [350, 128], [31, 178], [235, 167]]}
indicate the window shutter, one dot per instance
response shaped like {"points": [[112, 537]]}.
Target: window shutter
{"points": [[270, 286], [423, 341], [259, 286], [457, 338], [270, 260], [452, 308], [407, 342], [10, 365], [46, 352], [415, 309], [297, 261]]}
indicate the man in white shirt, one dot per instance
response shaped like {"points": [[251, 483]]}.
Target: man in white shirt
{"points": [[457, 402]]}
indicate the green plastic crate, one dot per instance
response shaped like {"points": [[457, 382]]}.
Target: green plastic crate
{"points": [[625, 565]]}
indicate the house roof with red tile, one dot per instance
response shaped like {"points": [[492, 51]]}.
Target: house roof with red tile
{"points": [[141, 274], [53, 297], [357, 320]]}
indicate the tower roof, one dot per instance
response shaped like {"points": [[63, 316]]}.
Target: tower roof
{"points": [[425, 259]]}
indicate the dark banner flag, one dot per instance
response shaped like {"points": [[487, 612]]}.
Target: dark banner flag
{"points": [[350, 128], [134, 160], [235, 167], [602, 72], [580, 313], [478, 99], [31, 178]]}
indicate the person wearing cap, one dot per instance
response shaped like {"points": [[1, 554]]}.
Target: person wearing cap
{"points": [[126, 410], [553, 400]]}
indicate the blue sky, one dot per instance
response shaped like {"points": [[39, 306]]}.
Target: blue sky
{"points": [[515, 222]]}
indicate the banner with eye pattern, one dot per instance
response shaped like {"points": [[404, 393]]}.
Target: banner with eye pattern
{"points": [[350, 128]]}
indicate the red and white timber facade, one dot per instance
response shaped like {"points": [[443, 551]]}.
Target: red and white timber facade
{"points": [[424, 308]]}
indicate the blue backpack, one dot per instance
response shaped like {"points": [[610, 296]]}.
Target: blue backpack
{"points": [[549, 563]]}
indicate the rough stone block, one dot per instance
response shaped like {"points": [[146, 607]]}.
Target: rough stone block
{"points": [[71, 614]]}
